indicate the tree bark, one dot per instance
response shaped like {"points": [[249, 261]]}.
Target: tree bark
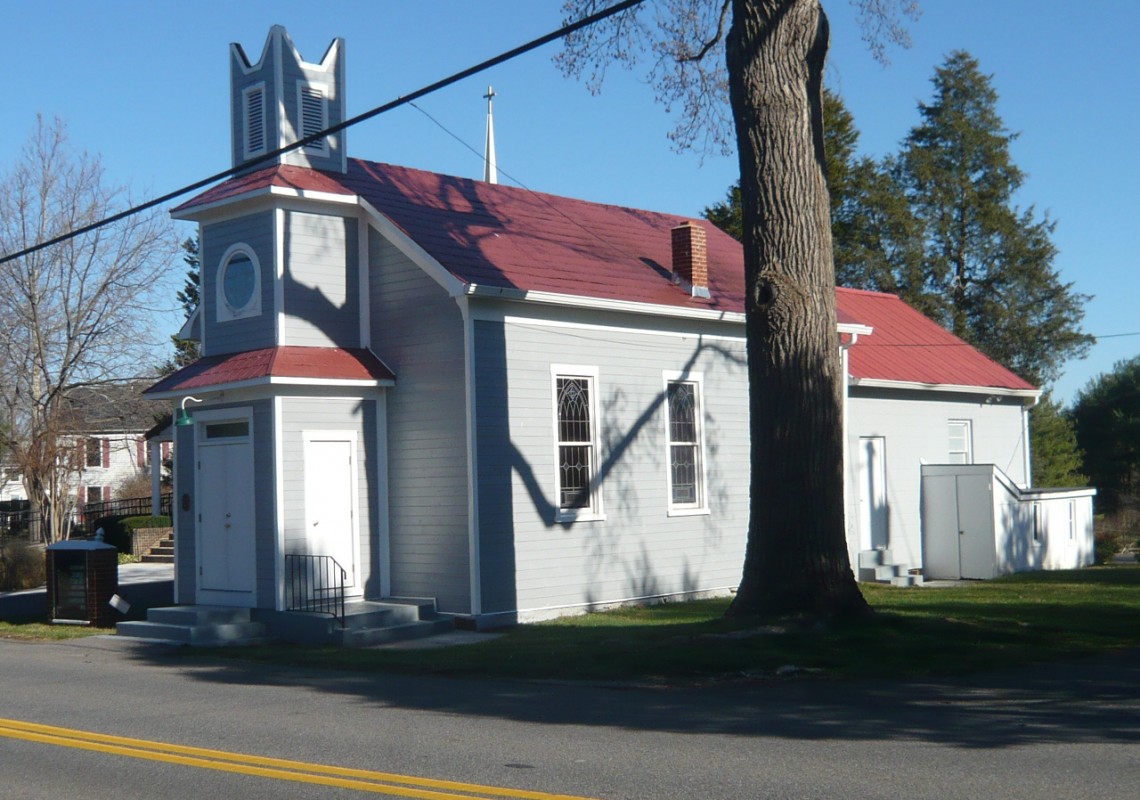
{"points": [[796, 561]]}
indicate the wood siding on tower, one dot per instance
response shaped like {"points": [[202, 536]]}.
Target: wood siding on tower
{"points": [[247, 333], [418, 330], [321, 277]]}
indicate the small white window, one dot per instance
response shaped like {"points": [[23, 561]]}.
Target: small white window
{"points": [[253, 109], [313, 113], [575, 433], [1072, 520], [684, 440], [959, 449], [239, 284], [1038, 526]]}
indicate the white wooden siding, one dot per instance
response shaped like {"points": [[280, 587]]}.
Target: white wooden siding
{"points": [[314, 414], [914, 426], [638, 551], [320, 266], [418, 331], [248, 333]]}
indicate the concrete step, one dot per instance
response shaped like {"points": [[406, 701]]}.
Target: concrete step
{"points": [[369, 637], [153, 559], [232, 633], [888, 572], [199, 615], [869, 559], [906, 580]]}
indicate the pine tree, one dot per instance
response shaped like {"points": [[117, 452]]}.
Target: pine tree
{"points": [[987, 269], [1107, 419], [1057, 460], [186, 351]]}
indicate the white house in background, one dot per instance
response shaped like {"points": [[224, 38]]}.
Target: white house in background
{"points": [[106, 446], [516, 404]]}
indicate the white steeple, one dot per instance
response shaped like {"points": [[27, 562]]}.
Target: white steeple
{"points": [[490, 171]]}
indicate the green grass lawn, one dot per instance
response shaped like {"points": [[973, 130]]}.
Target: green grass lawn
{"points": [[1011, 621]]}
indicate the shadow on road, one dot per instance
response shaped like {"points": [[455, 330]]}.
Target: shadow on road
{"points": [[1097, 700]]}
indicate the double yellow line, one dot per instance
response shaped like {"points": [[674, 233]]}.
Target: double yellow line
{"points": [[275, 768]]}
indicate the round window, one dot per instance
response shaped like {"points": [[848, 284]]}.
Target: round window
{"points": [[239, 281]]}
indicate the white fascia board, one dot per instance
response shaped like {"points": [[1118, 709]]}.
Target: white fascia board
{"points": [[275, 381], [416, 254], [577, 301], [997, 391], [264, 194]]}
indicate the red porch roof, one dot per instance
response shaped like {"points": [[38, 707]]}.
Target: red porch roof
{"points": [[277, 364]]}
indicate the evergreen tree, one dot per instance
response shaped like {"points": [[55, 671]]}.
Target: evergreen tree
{"points": [[987, 267], [1057, 460], [1107, 419], [867, 215], [187, 351]]}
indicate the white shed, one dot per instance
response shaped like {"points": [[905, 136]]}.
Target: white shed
{"points": [[977, 523]]}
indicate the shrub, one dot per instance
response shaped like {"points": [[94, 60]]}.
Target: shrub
{"points": [[149, 521], [21, 566], [1115, 533]]}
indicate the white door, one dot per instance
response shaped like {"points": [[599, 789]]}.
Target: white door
{"points": [[330, 518], [226, 521], [873, 516]]}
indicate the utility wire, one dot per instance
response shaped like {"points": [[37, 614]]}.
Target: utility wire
{"points": [[534, 44]]}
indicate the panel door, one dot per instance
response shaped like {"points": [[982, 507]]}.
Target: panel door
{"points": [[976, 526], [330, 518], [226, 521]]}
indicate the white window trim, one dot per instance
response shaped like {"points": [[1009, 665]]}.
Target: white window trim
{"points": [[213, 416], [595, 511], [969, 427], [226, 312], [248, 152], [702, 505], [321, 149]]}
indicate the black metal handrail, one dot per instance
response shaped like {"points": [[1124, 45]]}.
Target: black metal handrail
{"points": [[315, 583]]}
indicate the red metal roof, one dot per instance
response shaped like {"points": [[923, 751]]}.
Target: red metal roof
{"points": [[505, 237], [261, 366], [910, 347]]}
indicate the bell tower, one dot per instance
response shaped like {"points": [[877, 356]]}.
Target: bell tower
{"points": [[282, 99]]}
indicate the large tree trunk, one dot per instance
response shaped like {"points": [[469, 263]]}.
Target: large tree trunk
{"points": [[796, 562]]}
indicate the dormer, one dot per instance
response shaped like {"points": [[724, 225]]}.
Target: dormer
{"points": [[282, 99]]}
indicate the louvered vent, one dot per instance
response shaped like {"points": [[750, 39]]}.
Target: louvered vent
{"points": [[255, 120], [314, 116]]}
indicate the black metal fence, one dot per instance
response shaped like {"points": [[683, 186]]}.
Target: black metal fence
{"points": [[19, 521], [315, 583]]}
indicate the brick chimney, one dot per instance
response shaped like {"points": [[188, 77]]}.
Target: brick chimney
{"points": [[690, 258]]}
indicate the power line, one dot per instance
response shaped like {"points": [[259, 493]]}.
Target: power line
{"points": [[534, 44]]}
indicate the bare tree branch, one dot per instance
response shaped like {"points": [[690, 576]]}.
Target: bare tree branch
{"points": [[75, 314]]}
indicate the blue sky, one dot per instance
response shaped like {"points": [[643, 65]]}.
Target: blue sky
{"points": [[145, 85]]}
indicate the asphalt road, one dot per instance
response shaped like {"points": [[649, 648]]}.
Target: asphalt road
{"points": [[1065, 731]]}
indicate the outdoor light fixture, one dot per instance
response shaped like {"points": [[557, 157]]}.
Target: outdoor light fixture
{"points": [[184, 415]]}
